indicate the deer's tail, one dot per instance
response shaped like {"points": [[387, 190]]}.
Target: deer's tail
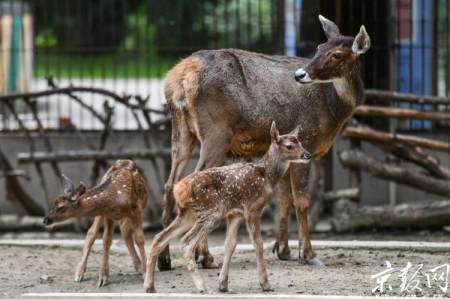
{"points": [[182, 192]]}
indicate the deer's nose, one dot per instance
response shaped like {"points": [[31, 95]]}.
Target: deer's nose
{"points": [[302, 76], [47, 221]]}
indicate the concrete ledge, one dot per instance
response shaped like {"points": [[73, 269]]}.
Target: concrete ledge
{"points": [[192, 296], [118, 245]]}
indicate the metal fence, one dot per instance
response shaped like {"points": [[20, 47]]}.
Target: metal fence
{"points": [[127, 46]]}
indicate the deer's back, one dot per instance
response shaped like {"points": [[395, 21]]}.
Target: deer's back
{"points": [[221, 188], [247, 91]]}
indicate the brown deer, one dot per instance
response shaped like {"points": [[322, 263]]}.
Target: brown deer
{"points": [[234, 192], [120, 196], [226, 100]]}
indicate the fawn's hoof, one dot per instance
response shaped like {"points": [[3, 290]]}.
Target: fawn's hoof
{"points": [[223, 286], [164, 263], [266, 287], [207, 262], [102, 281], [150, 289], [79, 274], [284, 254]]}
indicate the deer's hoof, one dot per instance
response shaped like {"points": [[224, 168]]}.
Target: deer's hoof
{"points": [[78, 278], [284, 254], [102, 281], [223, 286], [266, 287], [164, 263], [208, 262], [150, 289]]}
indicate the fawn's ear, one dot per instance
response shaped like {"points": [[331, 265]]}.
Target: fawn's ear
{"points": [[68, 185], [330, 28], [361, 44], [274, 134], [81, 189]]}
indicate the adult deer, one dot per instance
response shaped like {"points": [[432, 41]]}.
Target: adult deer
{"points": [[226, 100]]}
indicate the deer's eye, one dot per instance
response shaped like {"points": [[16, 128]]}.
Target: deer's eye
{"points": [[337, 55]]}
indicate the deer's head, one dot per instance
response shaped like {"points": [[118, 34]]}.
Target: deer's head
{"points": [[288, 146], [67, 204], [334, 58]]}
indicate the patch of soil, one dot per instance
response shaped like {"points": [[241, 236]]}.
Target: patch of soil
{"points": [[348, 272]]}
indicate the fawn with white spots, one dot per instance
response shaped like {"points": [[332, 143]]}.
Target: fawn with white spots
{"points": [[120, 196], [238, 191]]}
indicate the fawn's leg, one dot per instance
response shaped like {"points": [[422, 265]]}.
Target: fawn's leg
{"points": [[214, 146], [203, 226], [126, 232], [108, 230], [230, 244], [90, 238], [178, 226], [284, 197], [139, 238], [253, 221], [182, 144]]}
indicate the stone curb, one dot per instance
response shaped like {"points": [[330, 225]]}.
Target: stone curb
{"points": [[119, 247], [192, 296]]}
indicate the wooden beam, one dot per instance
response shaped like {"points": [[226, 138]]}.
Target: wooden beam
{"points": [[88, 155], [393, 96], [349, 193], [369, 134], [402, 113], [356, 159]]}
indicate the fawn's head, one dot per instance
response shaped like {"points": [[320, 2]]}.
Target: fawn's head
{"points": [[67, 204], [334, 58], [288, 146]]}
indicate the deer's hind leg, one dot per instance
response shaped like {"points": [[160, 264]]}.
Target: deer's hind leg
{"points": [[139, 238], [126, 231], [90, 238], [178, 226], [214, 146], [202, 227], [284, 198], [108, 231], [182, 144]]}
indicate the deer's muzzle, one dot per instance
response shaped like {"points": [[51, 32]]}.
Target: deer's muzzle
{"points": [[47, 221]]}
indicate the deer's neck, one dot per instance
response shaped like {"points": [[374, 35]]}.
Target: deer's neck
{"points": [[275, 166], [350, 89]]}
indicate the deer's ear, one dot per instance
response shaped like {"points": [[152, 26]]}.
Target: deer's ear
{"points": [[68, 185], [274, 134], [330, 28], [295, 131], [362, 42]]}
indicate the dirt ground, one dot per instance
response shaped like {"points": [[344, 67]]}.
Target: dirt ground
{"points": [[347, 272]]}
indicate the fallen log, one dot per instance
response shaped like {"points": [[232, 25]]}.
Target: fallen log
{"points": [[365, 133], [403, 113], [392, 96], [347, 215], [89, 155], [355, 159], [404, 151]]}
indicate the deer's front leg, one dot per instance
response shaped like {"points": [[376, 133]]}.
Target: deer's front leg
{"points": [[90, 238], [108, 230], [284, 198], [253, 221], [299, 174], [230, 245]]}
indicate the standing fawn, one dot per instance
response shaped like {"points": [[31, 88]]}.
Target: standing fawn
{"points": [[236, 191], [120, 196]]}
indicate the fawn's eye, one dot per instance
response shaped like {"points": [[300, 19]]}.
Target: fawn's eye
{"points": [[337, 55]]}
